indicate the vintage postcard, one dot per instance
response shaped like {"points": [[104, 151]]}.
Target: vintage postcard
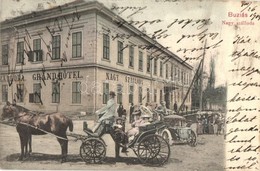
{"points": [[130, 85]]}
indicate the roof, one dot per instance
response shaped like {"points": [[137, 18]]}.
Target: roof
{"points": [[81, 6]]}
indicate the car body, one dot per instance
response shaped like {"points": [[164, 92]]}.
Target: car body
{"points": [[177, 132]]}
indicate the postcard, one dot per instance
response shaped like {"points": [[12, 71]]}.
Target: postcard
{"points": [[130, 85]]}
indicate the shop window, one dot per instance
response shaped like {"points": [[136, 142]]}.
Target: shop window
{"points": [[76, 44], [20, 53], [131, 56], [155, 67], [106, 46], [161, 68], [155, 95], [140, 61], [120, 53], [140, 96], [4, 93], [131, 94], [56, 47], [56, 92], [4, 54], [20, 92], [119, 93], [76, 93], [148, 64], [105, 92]]}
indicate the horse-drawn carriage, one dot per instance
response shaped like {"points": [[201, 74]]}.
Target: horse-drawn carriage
{"points": [[150, 148]]}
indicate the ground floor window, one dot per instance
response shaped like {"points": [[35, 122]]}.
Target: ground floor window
{"points": [[148, 95], [20, 92], [105, 92], [37, 92], [119, 93], [55, 92], [76, 93], [131, 94], [161, 95], [140, 96], [155, 95], [4, 93]]}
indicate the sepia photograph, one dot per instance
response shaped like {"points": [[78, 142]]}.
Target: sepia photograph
{"points": [[130, 85]]}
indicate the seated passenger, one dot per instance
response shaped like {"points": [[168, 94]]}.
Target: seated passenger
{"points": [[143, 121]]}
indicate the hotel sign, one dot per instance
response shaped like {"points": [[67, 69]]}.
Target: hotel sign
{"points": [[57, 75], [128, 79]]}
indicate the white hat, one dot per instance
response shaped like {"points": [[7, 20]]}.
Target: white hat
{"points": [[146, 116]]}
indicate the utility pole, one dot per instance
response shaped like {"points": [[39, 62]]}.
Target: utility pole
{"points": [[201, 77]]}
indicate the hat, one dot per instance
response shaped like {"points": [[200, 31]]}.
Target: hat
{"points": [[145, 116], [119, 118], [112, 93], [136, 112]]}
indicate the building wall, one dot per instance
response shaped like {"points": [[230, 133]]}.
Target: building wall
{"points": [[91, 69]]}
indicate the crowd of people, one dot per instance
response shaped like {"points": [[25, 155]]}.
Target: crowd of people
{"points": [[211, 124]]}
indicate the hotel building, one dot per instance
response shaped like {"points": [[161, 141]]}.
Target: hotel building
{"points": [[69, 57]]}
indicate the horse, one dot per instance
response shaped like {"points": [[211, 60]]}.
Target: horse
{"points": [[30, 123]]}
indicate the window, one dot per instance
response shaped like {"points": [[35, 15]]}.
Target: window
{"points": [[120, 51], [161, 95], [20, 53], [140, 96], [155, 67], [55, 92], [155, 95], [182, 77], [76, 93], [131, 56], [178, 76], [37, 92], [148, 95], [172, 72], [56, 47], [4, 93], [76, 44], [106, 45], [20, 92], [119, 93], [37, 55], [175, 73], [4, 54], [166, 71], [105, 92], [140, 61], [148, 64], [131, 94], [161, 68]]}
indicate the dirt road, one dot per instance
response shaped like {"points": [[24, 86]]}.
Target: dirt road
{"points": [[206, 156]]}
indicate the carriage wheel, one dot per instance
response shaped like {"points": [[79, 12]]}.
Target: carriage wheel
{"points": [[93, 150], [153, 150], [192, 139]]}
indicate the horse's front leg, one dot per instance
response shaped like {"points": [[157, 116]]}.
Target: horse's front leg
{"points": [[30, 144], [64, 149], [22, 147]]}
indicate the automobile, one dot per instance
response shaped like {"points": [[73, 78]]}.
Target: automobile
{"points": [[177, 131]]}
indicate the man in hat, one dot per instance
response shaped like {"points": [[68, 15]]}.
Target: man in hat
{"points": [[106, 113]]}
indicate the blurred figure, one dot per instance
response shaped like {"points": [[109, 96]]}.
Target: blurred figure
{"points": [[120, 110], [131, 118]]}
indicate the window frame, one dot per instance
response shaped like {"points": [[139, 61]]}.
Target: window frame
{"points": [[56, 47], [5, 53], [55, 95], [131, 56], [106, 46], [37, 92], [105, 92], [20, 96], [4, 93], [131, 93], [120, 52], [20, 53], [37, 55], [149, 66], [78, 44], [140, 61], [76, 93]]}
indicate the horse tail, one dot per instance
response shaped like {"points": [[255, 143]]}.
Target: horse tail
{"points": [[70, 125]]}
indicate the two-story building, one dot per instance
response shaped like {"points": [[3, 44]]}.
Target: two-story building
{"points": [[69, 57]]}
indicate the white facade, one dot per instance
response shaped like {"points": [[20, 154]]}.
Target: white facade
{"points": [[70, 56]]}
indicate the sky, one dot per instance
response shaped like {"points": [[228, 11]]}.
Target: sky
{"points": [[166, 11]]}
